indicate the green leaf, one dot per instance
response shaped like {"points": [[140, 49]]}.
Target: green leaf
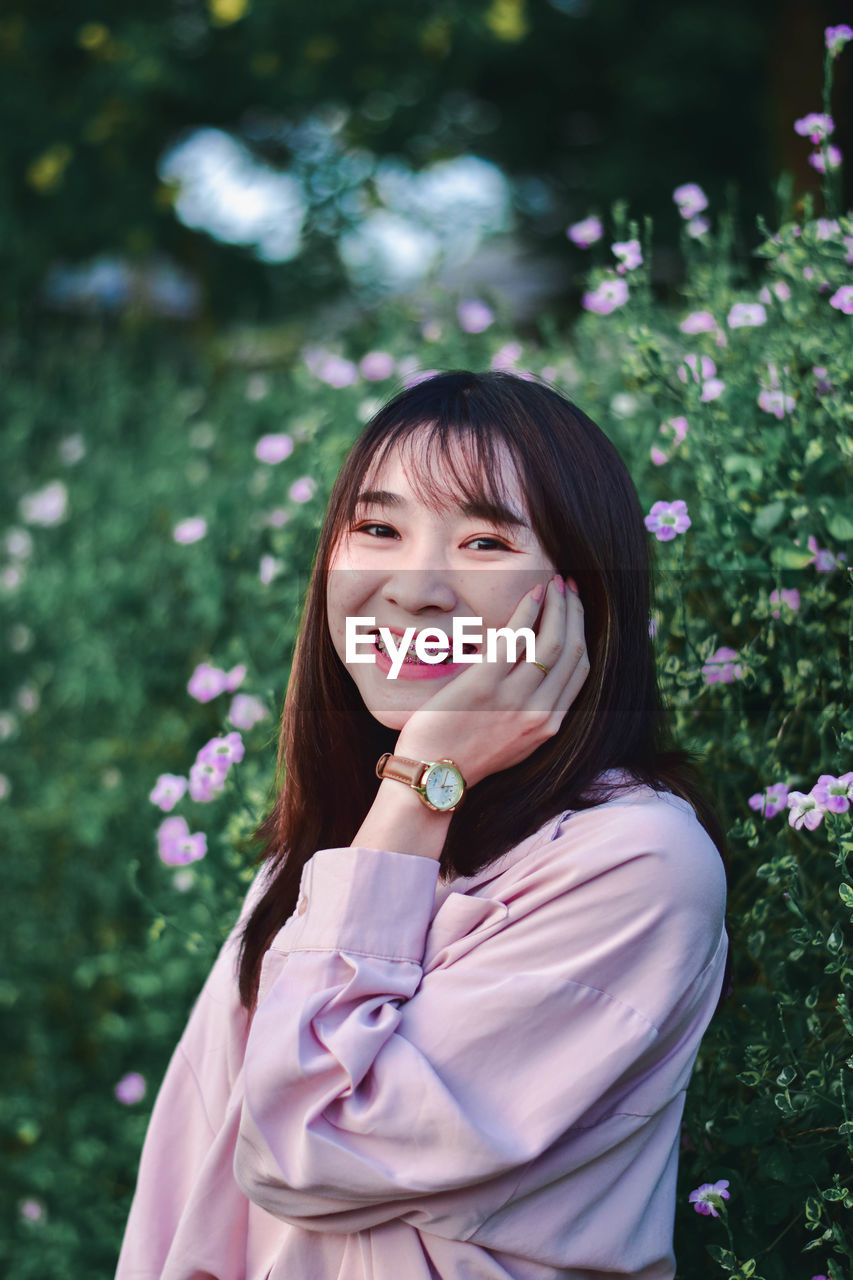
{"points": [[767, 518], [840, 527], [790, 557], [845, 893], [724, 1257], [813, 1208]]}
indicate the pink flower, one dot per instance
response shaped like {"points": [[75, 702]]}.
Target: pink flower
{"points": [[678, 426], [690, 199], [708, 1199], [697, 367], [222, 752], [746, 315], [585, 233], [474, 315], [789, 598], [831, 160], [175, 845], [826, 228], [823, 559], [848, 245], [130, 1088], [722, 667], [777, 403], [609, 295], [207, 781], [32, 1210], [269, 569], [18, 543], [235, 677], [190, 530], [712, 389], [666, 519], [206, 682], [804, 811], [697, 227], [780, 289], [277, 518], [698, 322], [506, 357], [836, 39], [376, 366], [246, 710], [168, 790], [834, 794], [823, 386], [674, 428], [629, 254], [816, 126], [771, 800], [46, 506], [273, 449], [337, 372], [302, 490], [842, 299]]}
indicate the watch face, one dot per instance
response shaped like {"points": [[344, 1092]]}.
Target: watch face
{"points": [[443, 786]]}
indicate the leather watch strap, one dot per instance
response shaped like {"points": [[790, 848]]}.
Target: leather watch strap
{"points": [[401, 769]]}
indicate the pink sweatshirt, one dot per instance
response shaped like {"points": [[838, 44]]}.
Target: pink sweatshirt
{"points": [[478, 1079]]}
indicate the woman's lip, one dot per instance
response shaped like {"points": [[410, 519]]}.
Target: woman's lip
{"points": [[417, 670]]}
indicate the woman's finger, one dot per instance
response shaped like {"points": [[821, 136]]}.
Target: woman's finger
{"points": [[569, 666], [548, 636]]}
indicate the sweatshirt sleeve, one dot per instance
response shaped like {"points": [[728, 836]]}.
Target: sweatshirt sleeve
{"points": [[384, 1070], [188, 1112]]}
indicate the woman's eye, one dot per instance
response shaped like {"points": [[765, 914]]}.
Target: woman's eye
{"points": [[501, 546], [363, 528], [494, 544]]}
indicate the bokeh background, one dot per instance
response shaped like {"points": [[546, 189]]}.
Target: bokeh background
{"points": [[224, 160], [228, 230]]}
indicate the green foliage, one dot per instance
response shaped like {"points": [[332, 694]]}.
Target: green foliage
{"points": [[94, 95], [107, 617]]}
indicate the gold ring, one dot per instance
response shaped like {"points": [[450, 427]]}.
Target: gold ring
{"points": [[541, 668]]}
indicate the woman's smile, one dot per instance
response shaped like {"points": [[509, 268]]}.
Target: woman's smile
{"points": [[412, 667]]}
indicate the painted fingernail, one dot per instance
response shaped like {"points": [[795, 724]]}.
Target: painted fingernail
{"points": [[538, 592], [572, 585], [559, 584]]}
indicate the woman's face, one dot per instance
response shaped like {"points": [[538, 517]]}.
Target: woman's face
{"points": [[406, 565]]}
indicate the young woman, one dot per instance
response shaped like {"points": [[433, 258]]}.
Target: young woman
{"points": [[451, 1032]]}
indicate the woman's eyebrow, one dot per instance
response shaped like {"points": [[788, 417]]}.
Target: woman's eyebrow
{"points": [[495, 512]]}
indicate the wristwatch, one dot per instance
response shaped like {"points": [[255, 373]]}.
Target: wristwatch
{"points": [[438, 783]]}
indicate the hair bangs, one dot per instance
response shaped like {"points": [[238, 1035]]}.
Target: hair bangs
{"points": [[448, 462]]}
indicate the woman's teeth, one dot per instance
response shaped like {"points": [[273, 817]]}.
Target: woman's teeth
{"points": [[411, 656]]}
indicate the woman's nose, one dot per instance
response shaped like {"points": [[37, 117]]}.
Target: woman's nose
{"points": [[414, 590]]}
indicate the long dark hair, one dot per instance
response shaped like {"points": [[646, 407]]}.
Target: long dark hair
{"points": [[585, 511]]}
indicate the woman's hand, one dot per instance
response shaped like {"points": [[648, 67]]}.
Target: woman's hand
{"points": [[495, 714]]}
